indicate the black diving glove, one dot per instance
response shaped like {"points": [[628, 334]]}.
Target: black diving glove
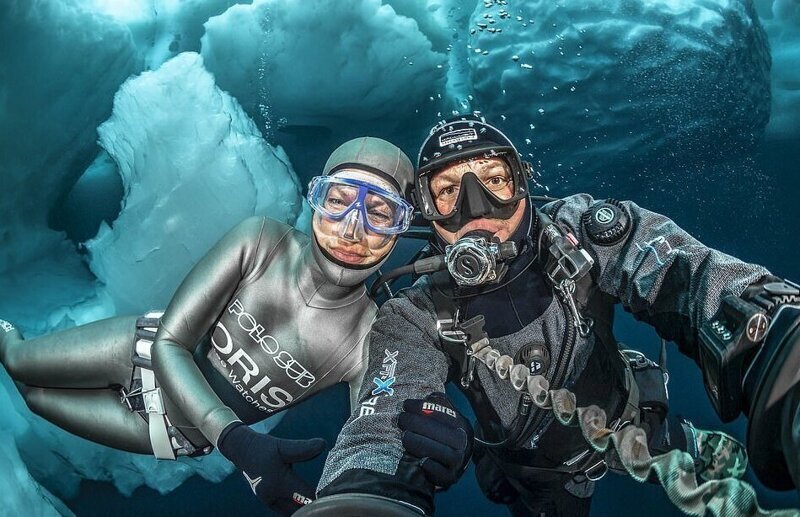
{"points": [[266, 462], [434, 432]]}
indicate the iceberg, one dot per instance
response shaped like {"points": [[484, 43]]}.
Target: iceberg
{"points": [[781, 20], [328, 63], [192, 165], [162, 108], [48, 124]]}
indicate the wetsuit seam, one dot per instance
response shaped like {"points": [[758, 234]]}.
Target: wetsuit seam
{"points": [[268, 260], [361, 339], [260, 235]]}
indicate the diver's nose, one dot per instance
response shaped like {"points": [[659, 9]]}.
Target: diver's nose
{"points": [[352, 228], [475, 203]]}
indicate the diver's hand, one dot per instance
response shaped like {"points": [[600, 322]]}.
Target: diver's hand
{"points": [[434, 432], [266, 463]]}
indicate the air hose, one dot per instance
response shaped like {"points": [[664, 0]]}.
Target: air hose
{"points": [[675, 470]]}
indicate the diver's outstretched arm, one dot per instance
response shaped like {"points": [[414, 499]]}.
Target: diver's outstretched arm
{"points": [[96, 355]]}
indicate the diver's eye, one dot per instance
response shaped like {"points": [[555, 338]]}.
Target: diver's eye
{"points": [[447, 191], [496, 182], [378, 218], [335, 203]]}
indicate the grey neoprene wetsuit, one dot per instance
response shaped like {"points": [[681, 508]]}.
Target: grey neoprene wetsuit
{"points": [[262, 321], [258, 320], [257, 325]]}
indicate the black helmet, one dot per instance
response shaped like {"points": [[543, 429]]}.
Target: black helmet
{"points": [[461, 138]]}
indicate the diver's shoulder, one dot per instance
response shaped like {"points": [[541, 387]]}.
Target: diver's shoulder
{"points": [[264, 234], [271, 230], [580, 200], [569, 208], [271, 225]]}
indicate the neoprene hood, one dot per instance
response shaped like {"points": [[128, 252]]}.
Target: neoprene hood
{"points": [[379, 157]]}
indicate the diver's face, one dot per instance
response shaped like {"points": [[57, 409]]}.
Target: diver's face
{"points": [[495, 175], [348, 240]]}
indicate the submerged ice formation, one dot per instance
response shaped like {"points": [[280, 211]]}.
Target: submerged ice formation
{"points": [[193, 165], [60, 66], [323, 62], [162, 29], [598, 86], [781, 19], [583, 85]]}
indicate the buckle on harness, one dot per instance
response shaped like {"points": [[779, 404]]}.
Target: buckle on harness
{"points": [[597, 471], [153, 402], [448, 330], [568, 261], [470, 335], [132, 398]]}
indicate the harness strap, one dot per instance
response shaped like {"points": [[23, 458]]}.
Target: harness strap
{"points": [[446, 314], [157, 421], [588, 463], [631, 411], [165, 439]]}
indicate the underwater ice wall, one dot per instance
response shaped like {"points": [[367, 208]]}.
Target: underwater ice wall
{"points": [[50, 114], [193, 165], [781, 19], [326, 62]]}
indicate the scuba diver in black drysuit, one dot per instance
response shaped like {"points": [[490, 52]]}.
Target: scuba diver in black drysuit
{"points": [[268, 317], [545, 305]]}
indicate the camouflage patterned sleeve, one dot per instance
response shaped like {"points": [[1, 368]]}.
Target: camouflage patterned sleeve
{"points": [[403, 363], [661, 274]]}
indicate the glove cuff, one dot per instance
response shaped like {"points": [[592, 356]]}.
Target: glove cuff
{"points": [[234, 441]]}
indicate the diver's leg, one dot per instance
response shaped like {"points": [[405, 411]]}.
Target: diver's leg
{"points": [[97, 415], [96, 355]]}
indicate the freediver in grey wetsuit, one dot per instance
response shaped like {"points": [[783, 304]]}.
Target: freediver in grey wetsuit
{"points": [[267, 318]]}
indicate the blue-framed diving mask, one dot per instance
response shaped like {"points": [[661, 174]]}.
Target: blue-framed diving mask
{"points": [[359, 206]]}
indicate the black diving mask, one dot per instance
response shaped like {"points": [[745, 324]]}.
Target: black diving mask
{"points": [[493, 197]]}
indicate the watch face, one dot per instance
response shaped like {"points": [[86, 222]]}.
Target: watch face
{"points": [[535, 356], [757, 327]]}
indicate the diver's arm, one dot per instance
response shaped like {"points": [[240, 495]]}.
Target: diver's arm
{"points": [[196, 305], [403, 363], [659, 272]]}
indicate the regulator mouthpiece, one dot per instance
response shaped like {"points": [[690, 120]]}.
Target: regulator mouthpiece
{"points": [[474, 259]]}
